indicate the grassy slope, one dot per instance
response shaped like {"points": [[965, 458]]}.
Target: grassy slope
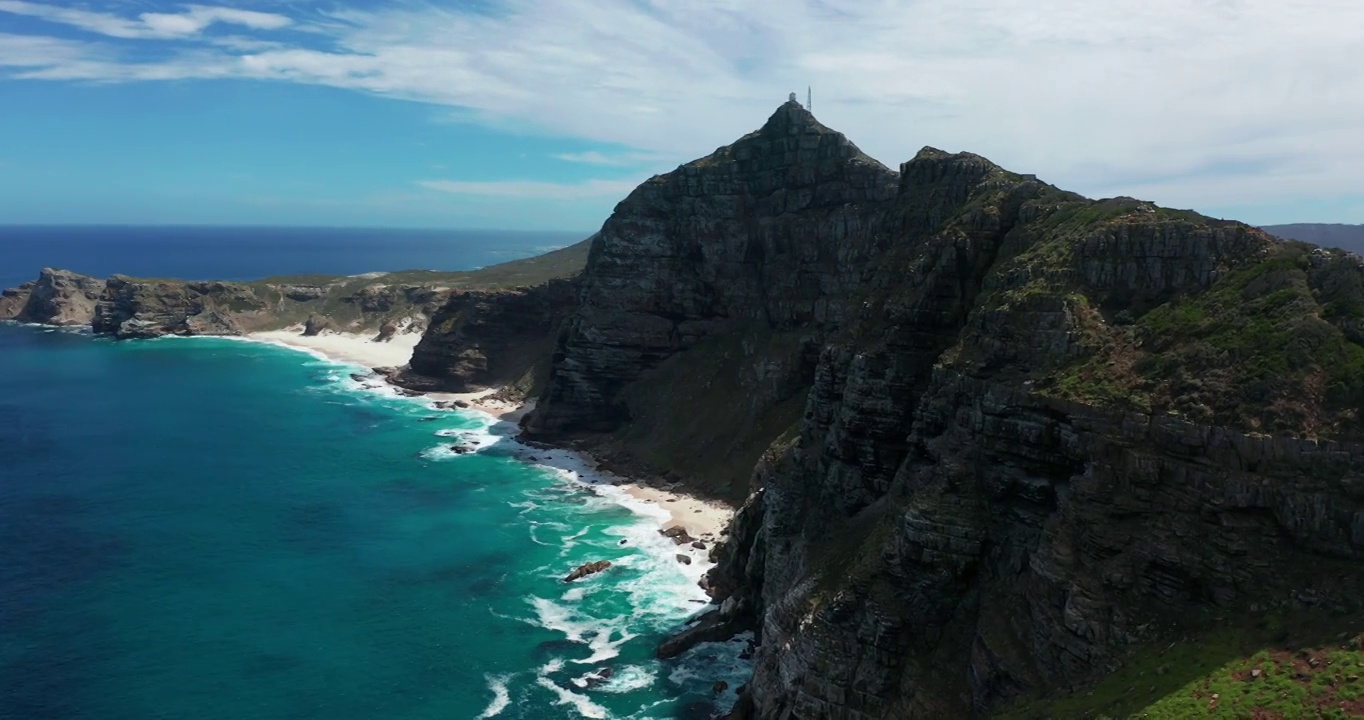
{"points": [[1276, 665], [1274, 345]]}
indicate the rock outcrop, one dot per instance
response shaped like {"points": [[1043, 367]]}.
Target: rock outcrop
{"points": [[487, 338], [1032, 433], [586, 569], [149, 308], [57, 297]]}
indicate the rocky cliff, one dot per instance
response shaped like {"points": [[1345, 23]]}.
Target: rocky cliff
{"points": [[523, 299], [741, 260], [488, 338], [997, 440], [57, 297]]}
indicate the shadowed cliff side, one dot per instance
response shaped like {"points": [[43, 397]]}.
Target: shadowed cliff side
{"points": [[492, 338], [709, 291]]}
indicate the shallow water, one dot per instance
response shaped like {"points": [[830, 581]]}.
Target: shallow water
{"points": [[216, 529]]}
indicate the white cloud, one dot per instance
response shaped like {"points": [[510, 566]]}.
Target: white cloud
{"points": [[150, 24], [1189, 102], [593, 157], [535, 190]]}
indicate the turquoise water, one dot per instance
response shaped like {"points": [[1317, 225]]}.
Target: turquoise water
{"points": [[208, 529]]}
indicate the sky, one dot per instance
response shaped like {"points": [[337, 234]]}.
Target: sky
{"points": [[520, 114]]}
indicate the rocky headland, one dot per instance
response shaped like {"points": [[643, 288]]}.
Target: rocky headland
{"points": [[1000, 450]]}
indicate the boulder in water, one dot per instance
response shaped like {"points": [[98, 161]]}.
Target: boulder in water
{"points": [[587, 569]]}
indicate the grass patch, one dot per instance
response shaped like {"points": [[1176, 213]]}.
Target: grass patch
{"points": [[1305, 664], [1259, 351]]}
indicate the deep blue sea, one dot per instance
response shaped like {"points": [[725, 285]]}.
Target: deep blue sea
{"points": [[225, 253], [215, 529]]}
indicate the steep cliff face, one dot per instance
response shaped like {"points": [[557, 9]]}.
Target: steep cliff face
{"points": [[57, 297], [1034, 433], [140, 309], [1011, 499], [481, 339], [736, 245]]}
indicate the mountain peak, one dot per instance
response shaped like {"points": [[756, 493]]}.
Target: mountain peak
{"points": [[792, 118]]}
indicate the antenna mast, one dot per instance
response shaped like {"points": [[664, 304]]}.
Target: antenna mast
{"points": [[809, 99]]}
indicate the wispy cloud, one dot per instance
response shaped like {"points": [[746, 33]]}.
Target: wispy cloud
{"points": [[149, 24], [535, 190], [1172, 99], [593, 157]]}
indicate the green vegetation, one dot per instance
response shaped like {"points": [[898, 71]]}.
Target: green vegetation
{"points": [[1303, 664], [1046, 264], [1259, 350], [1272, 346]]}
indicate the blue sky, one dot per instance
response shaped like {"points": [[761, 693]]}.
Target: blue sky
{"points": [[543, 115]]}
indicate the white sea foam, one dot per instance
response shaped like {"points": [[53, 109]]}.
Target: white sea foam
{"points": [[709, 662], [603, 647], [628, 678], [571, 542], [581, 703], [501, 697], [575, 594], [574, 625], [443, 452], [552, 666]]}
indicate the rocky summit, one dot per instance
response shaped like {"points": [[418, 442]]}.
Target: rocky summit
{"points": [[1000, 450]]}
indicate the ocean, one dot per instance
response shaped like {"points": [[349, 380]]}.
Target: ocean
{"points": [[227, 253], [211, 528]]}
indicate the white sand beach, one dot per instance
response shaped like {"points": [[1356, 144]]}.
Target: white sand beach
{"points": [[347, 347], [701, 519]]}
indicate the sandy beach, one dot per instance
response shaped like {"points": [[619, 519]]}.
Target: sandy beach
{"points": [[347, 347], [702, 520]]}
